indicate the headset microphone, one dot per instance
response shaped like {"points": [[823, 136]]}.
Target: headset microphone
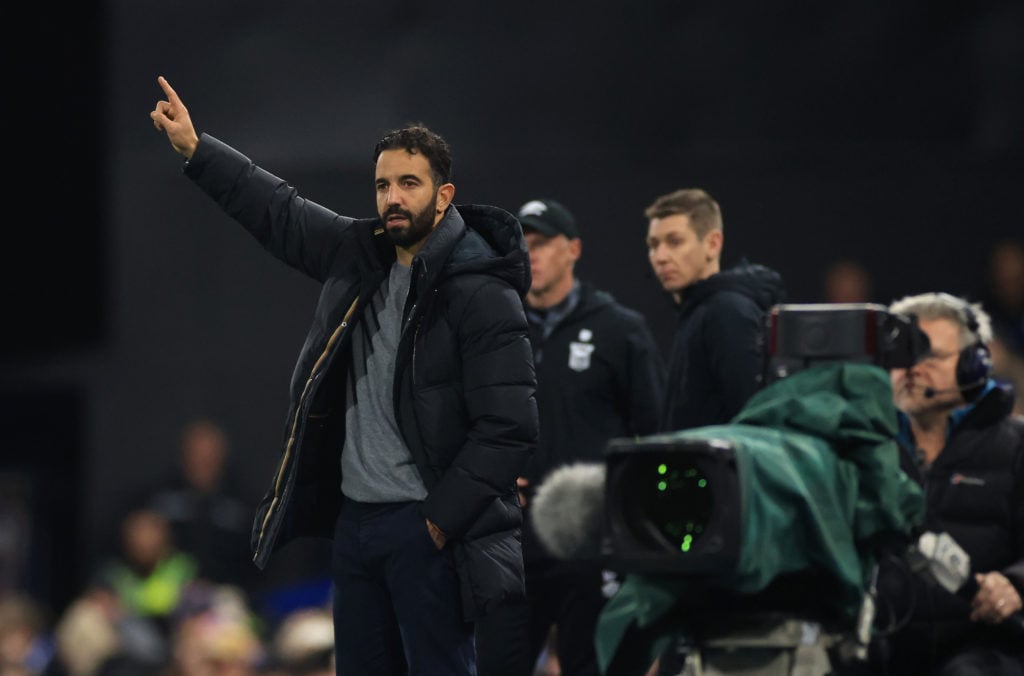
{"points": [[930, 392]]}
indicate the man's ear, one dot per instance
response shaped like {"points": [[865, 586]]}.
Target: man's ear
{"points": [[713, 243], [445, 194], [576, 248]]}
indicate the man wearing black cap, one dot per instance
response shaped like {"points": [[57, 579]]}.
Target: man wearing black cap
{"points": [[599, 376]]}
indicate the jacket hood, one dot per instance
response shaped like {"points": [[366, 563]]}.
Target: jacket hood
{"points": [[479, 239], [760, 283]]}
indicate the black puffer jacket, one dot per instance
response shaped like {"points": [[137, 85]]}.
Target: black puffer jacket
{"points": [[464, 378], [716, 356], [975, 492]]}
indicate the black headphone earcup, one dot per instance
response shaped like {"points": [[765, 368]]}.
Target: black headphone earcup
{"points": [[973, 367]]}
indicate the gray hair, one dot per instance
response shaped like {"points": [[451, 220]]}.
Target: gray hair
{"points": [[952, 308]]}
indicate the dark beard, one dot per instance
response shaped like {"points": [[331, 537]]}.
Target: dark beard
{"points": [[420, 225]]}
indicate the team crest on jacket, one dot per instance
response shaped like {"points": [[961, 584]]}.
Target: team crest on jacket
{"points": [[580, 351]]}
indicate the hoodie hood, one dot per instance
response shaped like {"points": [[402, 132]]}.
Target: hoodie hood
{"points": [[762, 284], [478, 239]]}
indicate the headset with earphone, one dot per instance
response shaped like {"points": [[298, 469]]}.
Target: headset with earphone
{"points": [[974, 365]]}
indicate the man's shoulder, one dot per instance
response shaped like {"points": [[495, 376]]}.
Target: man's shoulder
{"points": [[745, 285], [730, 299], [483, 294], [1015, 424], [599, 301], [483, 248], [726, 314]]}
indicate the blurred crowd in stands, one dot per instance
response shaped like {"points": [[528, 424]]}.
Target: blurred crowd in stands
{"points": [[178, 595]]}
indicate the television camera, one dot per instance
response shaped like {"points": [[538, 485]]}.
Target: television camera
{"points": [[751, 547]]}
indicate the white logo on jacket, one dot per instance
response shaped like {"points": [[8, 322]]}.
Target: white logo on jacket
{"points": [[579, 352]]}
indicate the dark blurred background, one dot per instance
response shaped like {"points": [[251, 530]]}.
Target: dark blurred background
{"points": [[888, 133]]}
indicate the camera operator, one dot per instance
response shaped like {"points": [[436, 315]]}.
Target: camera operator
{"points": [[961, 441]]}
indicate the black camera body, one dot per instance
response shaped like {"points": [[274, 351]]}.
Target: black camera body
{"points": [[677, 506], [798, 336], [742, 531], [673, 504]]}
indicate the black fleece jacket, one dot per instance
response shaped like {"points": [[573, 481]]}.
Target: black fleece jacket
{"points": [[716, 355]]}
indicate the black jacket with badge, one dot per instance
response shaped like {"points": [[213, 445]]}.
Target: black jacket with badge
{"points": [[599, 375], [974, 490], [464, 378], [716, 357]]}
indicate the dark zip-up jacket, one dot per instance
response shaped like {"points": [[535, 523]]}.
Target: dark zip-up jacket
{"points": [[975, 492], [601, 376], [716, 357], [464, 378]]}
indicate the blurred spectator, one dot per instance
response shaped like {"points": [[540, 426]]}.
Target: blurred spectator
{"points": [[86, 634], [211, 631], [303, 644], [210, 521], [150, 574], [215, 634], [26, 646], [96, 637], [1003, 297], [847, 281]]}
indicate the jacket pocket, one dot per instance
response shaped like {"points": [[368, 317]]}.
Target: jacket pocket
{"points": [[490, 570]]}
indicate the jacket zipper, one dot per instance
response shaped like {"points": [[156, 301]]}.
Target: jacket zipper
{"points": [[314, 373]]}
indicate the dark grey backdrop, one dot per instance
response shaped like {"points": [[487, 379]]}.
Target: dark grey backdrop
{"points": [[889, 132]]}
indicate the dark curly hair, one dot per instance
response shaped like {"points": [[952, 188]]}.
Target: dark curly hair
{"points": [[416, 138]]}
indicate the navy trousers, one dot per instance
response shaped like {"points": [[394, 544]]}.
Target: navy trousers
{"points": [[396, 600]]}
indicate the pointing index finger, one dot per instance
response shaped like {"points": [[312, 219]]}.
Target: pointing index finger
{"points": [[172, 96]]}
